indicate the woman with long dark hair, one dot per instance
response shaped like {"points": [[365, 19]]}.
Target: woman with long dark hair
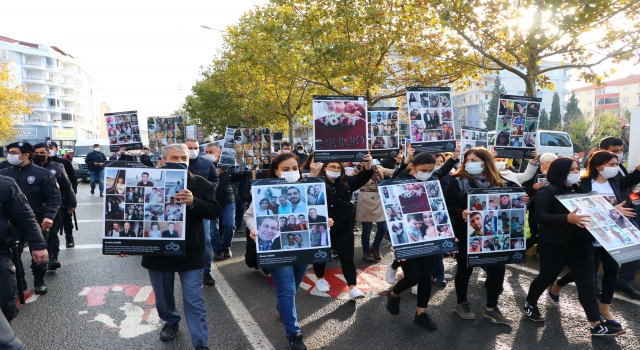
{"points": [[563, 241], [340, 208], [478, 170], [600, 176], [286, 279]]}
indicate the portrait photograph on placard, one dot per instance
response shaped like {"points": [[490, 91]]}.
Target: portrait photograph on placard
{"points": [[430, 116], [516, 126]]}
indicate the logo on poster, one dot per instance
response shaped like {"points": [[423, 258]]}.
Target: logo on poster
{"points": [[447, 244], [360, 155], [517, 256], [321, 254], [173, 246], [450, 145]]}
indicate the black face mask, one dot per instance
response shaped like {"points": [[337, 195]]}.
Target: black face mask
{"points": [[38, 158]]}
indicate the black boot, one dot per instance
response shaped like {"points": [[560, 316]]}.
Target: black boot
{"points": [[69, 239], [38, 282], [54, 264]]}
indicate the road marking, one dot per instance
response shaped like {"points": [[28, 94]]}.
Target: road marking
{"points": [[90, 203], [90, 220], [143, 294], [32, 298], [84, 291], [245, 321]]}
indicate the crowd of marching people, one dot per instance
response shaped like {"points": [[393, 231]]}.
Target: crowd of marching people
{"points": [[216, 203]]}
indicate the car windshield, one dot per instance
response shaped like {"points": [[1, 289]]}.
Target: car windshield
{"points": [[554, 139], [82, 151]]}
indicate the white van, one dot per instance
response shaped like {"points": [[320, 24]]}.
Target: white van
{"points": [[556, 142], [81, 149]]}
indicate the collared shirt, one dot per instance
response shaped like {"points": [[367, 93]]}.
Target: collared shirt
{"points": [[264, 246]]}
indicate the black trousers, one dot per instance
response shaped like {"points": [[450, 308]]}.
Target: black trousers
{"points": [[8, 287], [342, 241], [609, 278], [417, 271], [495, 279], [553, 258], [67, 222]]}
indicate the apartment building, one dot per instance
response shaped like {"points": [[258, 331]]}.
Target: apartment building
{"points": [[616, 96]]}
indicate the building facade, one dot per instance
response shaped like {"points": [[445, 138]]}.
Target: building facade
{"points": [[470, 106], [616, 96], [69, 109]]}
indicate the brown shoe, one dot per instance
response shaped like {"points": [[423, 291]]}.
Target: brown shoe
{"points": [[368, 257], [376, 254]]}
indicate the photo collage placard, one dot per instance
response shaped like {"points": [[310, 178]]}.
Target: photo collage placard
{"points": [[607, 225], [141, 211], [517, 126], [123, 130], [384, 133], [417, 217], [471, 137], [340, 128], [431, 119], [292, 222], [246, 148], [164, 131], [496, 227]]}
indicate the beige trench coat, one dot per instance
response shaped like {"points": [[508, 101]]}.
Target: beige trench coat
{"points": [[369, 207]]}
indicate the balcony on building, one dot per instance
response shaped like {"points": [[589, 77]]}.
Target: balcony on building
{"points": [[36, 119], [66, 70], [52, 80], [67, 83], [51, 63], [56, 118], [68, 118], [33, 77]]}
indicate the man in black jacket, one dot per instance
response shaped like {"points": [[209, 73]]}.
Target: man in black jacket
{"points": [[67, 218], [41, 190], [199, 199], [95, 163], [15, 208], [69, 202]]}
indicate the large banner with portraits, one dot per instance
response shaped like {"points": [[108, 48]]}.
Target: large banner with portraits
{"points": [[292, 222], [246, 148], [123, 130], [608, 226], [141, 215], [164, 131], [471, 137], [384, 133], [496, 226], [517, 126], [340, 128], [431, 119], [417, 217]]}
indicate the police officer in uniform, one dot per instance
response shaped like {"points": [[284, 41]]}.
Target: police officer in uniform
{"points": [[67, 217], [41, 190], [15, 208], [69, 203]]}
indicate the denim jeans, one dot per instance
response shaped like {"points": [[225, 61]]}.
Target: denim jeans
{"points": [[222, 244], [99, 176], [438, 268], [287, 279], [366, 235], [207, 241], [194, 310]]}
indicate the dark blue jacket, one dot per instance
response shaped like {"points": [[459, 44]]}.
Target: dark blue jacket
{"points": [[205, 168], [93, 157], [66, 188], [39, 186], [15, 208]]}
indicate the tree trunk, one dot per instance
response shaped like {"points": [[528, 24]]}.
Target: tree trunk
{"points": [[290, 130]]}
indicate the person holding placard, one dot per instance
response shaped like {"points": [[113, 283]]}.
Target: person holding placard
{"points": [[340, 189], [600, 176], [564, 241], [286, 279], [478, 170]]}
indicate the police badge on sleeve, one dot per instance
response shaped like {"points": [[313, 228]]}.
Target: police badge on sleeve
{"points": [[31, 179]]}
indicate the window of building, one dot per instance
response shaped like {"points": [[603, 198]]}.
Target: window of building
{"points": [[625, 99], [50, 61], [486, 83], [567, 72], [52, 102], [589, 93], [67, 117], [590, 104], [611, 89], [555, 73], [626, 88], [486, 97], [476, 97], [600, 92]]}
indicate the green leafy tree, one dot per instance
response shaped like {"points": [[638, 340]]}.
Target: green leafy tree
{"points": [[555, 118], [586, 132], [572, 110], [544, 120], [518, 35], [492, 111]]}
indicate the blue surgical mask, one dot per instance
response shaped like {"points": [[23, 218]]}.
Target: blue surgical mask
{"points": [[474, 168]]}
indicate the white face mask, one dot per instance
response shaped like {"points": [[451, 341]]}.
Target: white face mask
{"points": [[134, 153], [193, 154], [97, 149], [573, 179], [290, 176], [13, 159], [620, 157], [474, 168], [437, 167], [211, 157], [501, 165], [52, 153], [333, 174], [609, 172], [422, 176], [285, 151]]}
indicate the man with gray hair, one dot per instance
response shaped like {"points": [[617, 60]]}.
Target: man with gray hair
{"points": [[200, 203]]}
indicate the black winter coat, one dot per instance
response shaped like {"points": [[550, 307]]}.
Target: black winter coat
{"points": [[339, 203], [552, 218]]}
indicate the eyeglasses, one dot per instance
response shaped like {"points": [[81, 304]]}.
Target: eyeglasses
{"points": [[334, 168]]}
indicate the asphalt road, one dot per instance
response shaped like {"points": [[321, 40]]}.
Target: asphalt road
{"points": [[104, 302]]}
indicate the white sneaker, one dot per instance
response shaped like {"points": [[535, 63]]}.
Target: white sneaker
{"points": [[322, 285], [414, 289], [355, 293], [390, 275]]}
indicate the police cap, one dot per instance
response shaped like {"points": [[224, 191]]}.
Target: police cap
{"points": [[40, 145], [25, 147]]}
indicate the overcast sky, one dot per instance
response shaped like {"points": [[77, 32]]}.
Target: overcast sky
{"points": [[140, 53], [143, 55]]}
